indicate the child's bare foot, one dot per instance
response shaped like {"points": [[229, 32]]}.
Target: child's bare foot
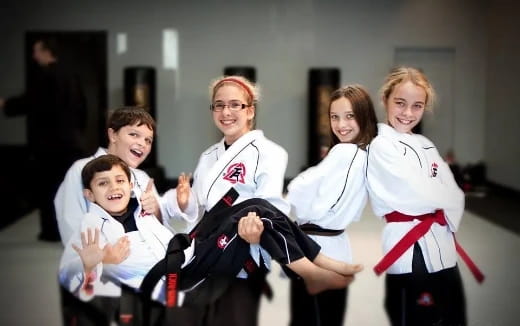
{"points": [[327, 280], [348, 269], [337, 266]]}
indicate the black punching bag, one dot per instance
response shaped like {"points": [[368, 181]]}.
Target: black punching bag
{"points": [[322, 82], [247, 72], [139, 83]]}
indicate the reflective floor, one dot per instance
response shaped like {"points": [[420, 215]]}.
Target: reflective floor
{"points": [[29, 291]]}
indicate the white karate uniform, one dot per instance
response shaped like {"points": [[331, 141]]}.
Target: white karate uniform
{"points": [[147, 247], [406, 174], [253, 165], [331, 195], [71, 205]]}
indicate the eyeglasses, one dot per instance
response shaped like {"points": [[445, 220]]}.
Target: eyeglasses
{"points": [[233, 106]]}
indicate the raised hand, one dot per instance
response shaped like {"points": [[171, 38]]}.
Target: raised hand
{"points": [[149, 202], [89, 252], [250, 228], [183, 191], [118, 252]]}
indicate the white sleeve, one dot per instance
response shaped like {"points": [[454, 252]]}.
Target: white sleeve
{"points": [[406, 188], [270, 178], [302, 189], [313, 192], [71, 274], [171, 206], [70, 204]]}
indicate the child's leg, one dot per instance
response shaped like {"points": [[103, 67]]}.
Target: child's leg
{"points": [[336, 265], [318, 279]]}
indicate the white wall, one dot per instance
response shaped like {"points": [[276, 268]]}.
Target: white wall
{"points": [[282, 39]]}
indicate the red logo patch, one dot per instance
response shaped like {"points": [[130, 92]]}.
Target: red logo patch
{"points": [[425, 300], [235, 173], [125, 318], [434, 169], [228, 200], [222, 241]]}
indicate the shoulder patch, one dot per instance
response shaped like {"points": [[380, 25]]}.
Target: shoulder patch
{"points": [[434, 169]]}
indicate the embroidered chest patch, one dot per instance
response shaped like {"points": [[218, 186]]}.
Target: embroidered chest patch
{"points": [[425, 299], [434, 169], [235, 173], [222, 241]]}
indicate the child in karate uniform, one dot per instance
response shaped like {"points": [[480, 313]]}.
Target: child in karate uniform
{"points": [[326, 198], [413, 190]]}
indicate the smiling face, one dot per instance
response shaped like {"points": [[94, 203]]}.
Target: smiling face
{"points": [[233, 124], [111, 190], [405, 106], [131, 143], [342, 120]]}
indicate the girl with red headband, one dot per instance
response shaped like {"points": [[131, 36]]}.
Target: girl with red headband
{"points": [[252, 164]]}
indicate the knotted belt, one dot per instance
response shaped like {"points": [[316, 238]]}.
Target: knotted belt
{"points": [[415, 234]]}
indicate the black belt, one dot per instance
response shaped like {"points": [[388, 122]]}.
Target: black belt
{"points": [[314, 229]]}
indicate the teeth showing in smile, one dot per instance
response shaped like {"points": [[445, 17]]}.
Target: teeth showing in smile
{"points": [[116, 196], [405, 122], [136, 152], [227, 122], [343, 132]]}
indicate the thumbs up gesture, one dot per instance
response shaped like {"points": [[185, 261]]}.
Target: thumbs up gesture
{"points": [[149, 202]]}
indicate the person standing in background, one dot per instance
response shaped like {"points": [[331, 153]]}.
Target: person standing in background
{"points": [[55, 109]]}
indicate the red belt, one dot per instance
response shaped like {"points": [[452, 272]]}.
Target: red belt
{"points": [[415, 234]]}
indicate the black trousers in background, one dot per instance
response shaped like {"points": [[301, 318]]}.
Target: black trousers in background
{"points": [[99, 311], [324, 309], [423, 299], [49, 168], [238, 306]]}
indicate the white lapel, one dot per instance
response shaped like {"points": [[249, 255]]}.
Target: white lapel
{"points": [[150, 229], [153, 232], [110, 229], [225, 157]]}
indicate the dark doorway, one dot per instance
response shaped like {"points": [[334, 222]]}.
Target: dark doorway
{"points": [[85, 52]]}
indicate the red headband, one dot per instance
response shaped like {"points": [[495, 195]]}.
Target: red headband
{"points": [[240, 83]]}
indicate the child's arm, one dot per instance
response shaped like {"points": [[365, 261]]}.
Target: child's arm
{"points": [[250, 228], [90, 253], [117, 253], [149, 202], [183, 191], [180, 202], [69, 203], [80, 265]]}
